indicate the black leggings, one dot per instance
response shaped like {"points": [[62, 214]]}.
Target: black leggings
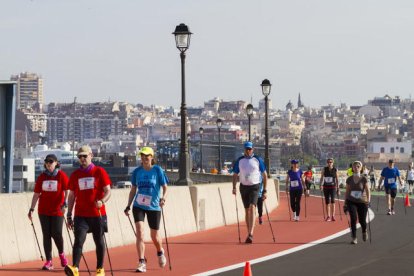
{"points": [[83, 226], [357, 211], [51, 229], [260, 206], [295, 196]]}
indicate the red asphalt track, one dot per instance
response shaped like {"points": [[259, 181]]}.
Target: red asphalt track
{"points": [[211, 249]]}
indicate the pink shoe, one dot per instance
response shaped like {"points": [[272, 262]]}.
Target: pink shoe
{"points": [[48, 265], [63, 260], [328, 219], [333, 218]]}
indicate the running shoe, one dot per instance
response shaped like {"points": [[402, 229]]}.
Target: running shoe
{"points": [[48, 265], [249, 239], [71, 270], [297, 218], [260, 220], [392, 212], [100, 272], [364, 236], [63, 260], [354, 241], [142, 266], [333, 218], [162, 261], [389, 212], [328, 219]]}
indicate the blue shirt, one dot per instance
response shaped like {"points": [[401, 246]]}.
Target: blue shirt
{"points": [[390, 177], [148, 185], [295, 180]]}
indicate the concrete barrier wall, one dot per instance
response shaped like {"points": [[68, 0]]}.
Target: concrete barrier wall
{"points": [[187, 210]]}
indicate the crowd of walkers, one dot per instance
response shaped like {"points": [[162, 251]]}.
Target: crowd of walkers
{"points": [[83, 197]]}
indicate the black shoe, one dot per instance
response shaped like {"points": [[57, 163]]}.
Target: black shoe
{"points": [[249, 239]]}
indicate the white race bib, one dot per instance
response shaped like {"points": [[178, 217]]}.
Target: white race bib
{"points": [[50, 185], [328, 179], [391, 180], [86, 183], [356, 194], [294, 183], [144, 200]]}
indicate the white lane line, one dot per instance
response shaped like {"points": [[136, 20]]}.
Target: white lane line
{"points": [[283, 253]]}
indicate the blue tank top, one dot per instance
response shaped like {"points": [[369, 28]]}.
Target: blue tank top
{"points": [[295, 179]]}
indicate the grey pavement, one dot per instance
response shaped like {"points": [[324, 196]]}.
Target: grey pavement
{"points": [[390, 253]]}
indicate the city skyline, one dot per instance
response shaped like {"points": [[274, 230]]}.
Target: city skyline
{"points": [[329, 52]]}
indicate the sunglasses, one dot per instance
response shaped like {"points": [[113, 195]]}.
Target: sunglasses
{"points": [[82, 156], [330, 162], [248, 149], [49, 161]]}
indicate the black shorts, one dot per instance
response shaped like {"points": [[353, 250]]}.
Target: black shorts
{"points": [[153, 217], [410, 182], [329, 195], [249, 194], [392, 192]]}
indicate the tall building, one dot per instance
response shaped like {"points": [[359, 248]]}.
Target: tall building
{"points": [[29, 91]]}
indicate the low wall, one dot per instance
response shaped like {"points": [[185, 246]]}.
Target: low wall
{"points": [[187, 210]]}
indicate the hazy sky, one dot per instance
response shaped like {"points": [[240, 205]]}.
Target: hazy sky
{"points": [[330, 51]]}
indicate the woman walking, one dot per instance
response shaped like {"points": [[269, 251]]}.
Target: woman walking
{"points": [[295, 187], [357, 198], [51, 191]]}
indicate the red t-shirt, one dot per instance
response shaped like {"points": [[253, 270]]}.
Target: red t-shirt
{"points": [[52, 193], [308, 176], [88, 187]]}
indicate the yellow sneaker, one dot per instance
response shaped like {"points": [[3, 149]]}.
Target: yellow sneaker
{"points": [[100, 272], [71, 270]]}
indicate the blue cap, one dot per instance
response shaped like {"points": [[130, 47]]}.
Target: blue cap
{"points": [[294, 161], [248, 145]]}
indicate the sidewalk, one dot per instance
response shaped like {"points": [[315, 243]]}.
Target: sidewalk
{"points": [[212, 249]]}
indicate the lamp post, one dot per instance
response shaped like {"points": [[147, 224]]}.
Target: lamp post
{"points": [[266, 86], [182, 40], [201, 131], [219, 123], [249, 111]]}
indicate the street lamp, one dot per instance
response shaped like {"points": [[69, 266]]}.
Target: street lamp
{"points": [[182, 40], [249, 111], [201, 131], [219, 123], [266, 86]]}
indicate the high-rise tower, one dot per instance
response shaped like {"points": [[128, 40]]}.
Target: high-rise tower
{"points": [[29, 91]]}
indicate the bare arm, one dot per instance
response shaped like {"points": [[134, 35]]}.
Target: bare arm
{"points": [[105, 198], [164, 195]]}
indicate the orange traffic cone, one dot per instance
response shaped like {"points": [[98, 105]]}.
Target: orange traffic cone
{"points": [[407, 201], [247, 270]]}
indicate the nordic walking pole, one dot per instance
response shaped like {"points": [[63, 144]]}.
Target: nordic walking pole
{"points": [[323, 206], [132, 226], [268, 219], [71, 244], [369, 226], [237, 216], [166, 239], [339, 205], [106, 244], [377, 202], [305, 203], [288, 203], [37, 240]]}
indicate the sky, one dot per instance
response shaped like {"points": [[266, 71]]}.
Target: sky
{"points": [[329, 51]]}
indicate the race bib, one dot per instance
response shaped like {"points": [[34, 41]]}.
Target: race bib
{"points": [[391, 180], [356, 194], [50, 185], [294, 183], [144, 200], [247, 178], [86, 183], [328, 179]]}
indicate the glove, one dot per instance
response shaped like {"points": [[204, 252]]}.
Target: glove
{"points": [[127, 210], [345, 209], [30, 213], [70, 221]]}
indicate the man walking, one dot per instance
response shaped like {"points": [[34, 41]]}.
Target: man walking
{"points": [[389, 175], [250, 171], [89, 191]]}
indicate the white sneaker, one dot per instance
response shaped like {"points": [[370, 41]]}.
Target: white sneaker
{"points": [[297, 218], [294, 215], [142, 267], [354, 241], [162, 261]]}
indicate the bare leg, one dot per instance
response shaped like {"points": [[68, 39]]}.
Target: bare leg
{"points": [[156, 239], [140, 239], [251, 217]]}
